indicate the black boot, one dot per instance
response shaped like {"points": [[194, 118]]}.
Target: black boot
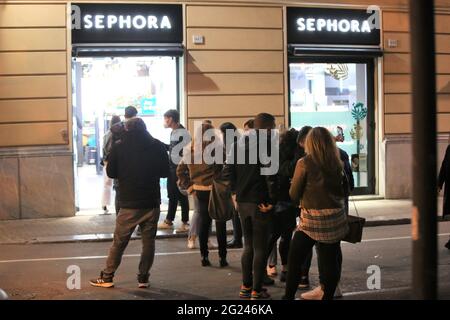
{"points": [[205, 262], [447, 245], [223, 262]]}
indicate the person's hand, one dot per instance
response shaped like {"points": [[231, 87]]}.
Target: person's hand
{"points": [[265, 208]]}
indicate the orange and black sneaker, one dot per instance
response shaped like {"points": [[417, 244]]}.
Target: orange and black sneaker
{"points": [[261, 295], [245, 292]]}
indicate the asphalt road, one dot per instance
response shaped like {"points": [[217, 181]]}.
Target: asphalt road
{"points": [[39, 271]]}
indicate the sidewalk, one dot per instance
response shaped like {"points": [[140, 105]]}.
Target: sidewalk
{"points": [[101, 227]]}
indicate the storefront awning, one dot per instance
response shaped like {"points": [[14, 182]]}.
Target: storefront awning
{"points": [[363, 52], [127, 50]]}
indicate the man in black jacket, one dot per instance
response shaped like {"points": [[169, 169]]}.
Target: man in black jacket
{"points": [[172, 120], [256, 196], [138, 161]]}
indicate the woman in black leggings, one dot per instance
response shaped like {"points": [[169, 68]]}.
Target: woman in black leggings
{"points": [[318, 184]]}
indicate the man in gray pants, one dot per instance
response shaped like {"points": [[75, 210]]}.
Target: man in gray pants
{"points": [[138, 161]]}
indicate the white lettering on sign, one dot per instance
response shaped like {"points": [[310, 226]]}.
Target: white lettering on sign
{"points": [[138, 22], [333, 25]]}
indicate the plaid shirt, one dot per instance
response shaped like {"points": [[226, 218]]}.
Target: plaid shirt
{"points": [[324, 225]]}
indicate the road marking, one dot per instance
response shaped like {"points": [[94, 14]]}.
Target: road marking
{"points": [[356, 293], [175, 253]]}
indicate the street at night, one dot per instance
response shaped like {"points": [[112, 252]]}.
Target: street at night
{"points": [[38, 271]]}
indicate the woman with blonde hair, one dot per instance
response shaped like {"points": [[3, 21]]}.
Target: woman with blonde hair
{"points": [[317, 185], [197, 178]]}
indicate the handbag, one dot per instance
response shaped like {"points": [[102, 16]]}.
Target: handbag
{"points": [[355, 227], [220, 206]]}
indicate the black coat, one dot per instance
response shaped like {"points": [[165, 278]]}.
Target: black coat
{"points": [[138, 161], [246, 179], [444, 179]]}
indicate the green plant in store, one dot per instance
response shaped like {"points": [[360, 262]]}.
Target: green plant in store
{"points": [[359, 113]]}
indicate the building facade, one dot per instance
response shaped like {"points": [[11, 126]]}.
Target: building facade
{"points": [[231, 60]]}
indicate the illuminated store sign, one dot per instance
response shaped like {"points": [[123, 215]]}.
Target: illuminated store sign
{"points": [[126, 23], [333, 26]]}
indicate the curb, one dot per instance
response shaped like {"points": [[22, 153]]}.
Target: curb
{"points": [[108, 237]]}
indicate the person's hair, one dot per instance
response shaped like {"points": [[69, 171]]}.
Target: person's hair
{"points": [[264, 121], [198, 135], [135, 124], [303, 133], [174, 114], [130, 112], [249, 123], [114, 119], [227, 126], [207, 121], [321, 146]]}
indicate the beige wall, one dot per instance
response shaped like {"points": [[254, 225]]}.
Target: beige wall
{"points": [[238, 71], [397, 73], [33, 74]]}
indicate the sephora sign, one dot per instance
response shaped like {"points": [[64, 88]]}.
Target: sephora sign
{"points": [[126, 23], [333, 26]]}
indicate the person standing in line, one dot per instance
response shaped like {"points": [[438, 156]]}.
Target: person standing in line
{"points": [[444, 179], [317, 183], [255, 196], [107, 181], [195, 220], [172, 121], [285, 214], [198, 178], [236, 242], [317, 293], [138, 161]]}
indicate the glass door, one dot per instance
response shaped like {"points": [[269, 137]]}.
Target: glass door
{"points": [[337, 93]]}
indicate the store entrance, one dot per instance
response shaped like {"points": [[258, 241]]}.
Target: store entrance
{"points": [[104, 87], [338, 93]]}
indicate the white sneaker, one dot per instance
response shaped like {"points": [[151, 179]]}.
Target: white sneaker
{"points": [[143, 285], [183, 228], [272, 271], [315, 294], [191, 242], [165, 225]]}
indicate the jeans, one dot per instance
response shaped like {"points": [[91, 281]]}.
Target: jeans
{"points": [[175, 197], [329, 260], [126, 223], [195, 220], [255, 226], [282, 226], [205, 226], [107, 188]]}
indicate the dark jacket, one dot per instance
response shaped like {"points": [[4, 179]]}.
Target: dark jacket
{"points": [[315, 189], [138, 161], [444, 179], [246, 179]]}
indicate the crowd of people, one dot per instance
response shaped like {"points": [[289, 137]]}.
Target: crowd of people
{"points": [[303, 205]]}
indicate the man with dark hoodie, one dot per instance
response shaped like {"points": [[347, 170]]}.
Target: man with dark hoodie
{"points": [[255, 196], [138, 161], [117, 132]]}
